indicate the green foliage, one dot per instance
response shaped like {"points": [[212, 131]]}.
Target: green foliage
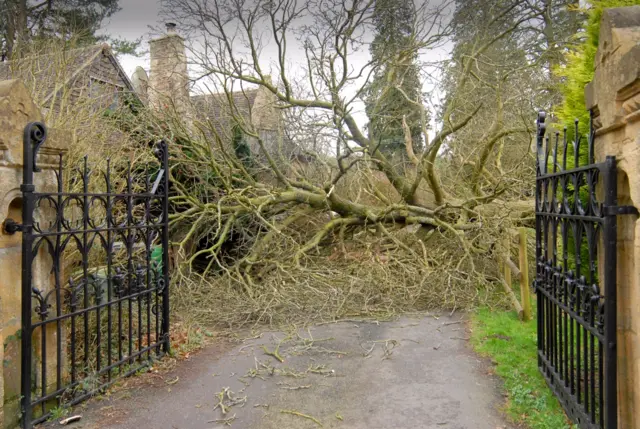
{"points": [[241, 147], [580, 67], [25, 20], [126, 47], [67, 20], [578, 72], [72, 15], [58, 412], [396, 83], [511, 344]]}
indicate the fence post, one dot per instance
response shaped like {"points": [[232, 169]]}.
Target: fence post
{"points": [[505, 267], [507, 255], [525, 291]]}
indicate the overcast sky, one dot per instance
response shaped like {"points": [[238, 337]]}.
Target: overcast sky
{"points": [[138, 16], [133, 22]]}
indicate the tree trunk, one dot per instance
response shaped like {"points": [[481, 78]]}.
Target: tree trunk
{"points": [[17, 30]]}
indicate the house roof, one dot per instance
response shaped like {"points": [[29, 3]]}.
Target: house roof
{"points": [[53, 71], [216, 109]]}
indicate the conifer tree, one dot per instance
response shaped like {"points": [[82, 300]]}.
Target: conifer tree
{"points": [[23, 20], [396, 85]]}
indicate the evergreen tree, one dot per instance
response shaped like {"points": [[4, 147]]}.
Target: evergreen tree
{"points": [[511, 79], [24, 20], [396, 84], [546, 32]]}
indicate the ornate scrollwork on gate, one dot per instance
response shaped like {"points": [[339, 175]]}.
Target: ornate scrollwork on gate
{"points": [[575, 257], [95, 282], [35, 134]]}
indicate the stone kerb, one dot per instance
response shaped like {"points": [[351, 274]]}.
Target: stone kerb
{"points": [[614, 97], [16, 111]]}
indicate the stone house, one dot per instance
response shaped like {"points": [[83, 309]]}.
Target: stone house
{"points": [[94, 76], [59, 80], [223, 114]]}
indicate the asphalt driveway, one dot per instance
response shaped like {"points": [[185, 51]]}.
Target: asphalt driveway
{"points": [[408, 374]]}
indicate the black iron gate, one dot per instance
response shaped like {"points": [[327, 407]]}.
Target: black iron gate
{"points": [[95, 276], [576, 211]]}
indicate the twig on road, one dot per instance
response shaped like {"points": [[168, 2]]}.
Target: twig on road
{"points": [[299, 414], [226, 422]]}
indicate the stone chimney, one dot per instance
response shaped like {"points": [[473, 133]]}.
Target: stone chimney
{"points": [[168, 78]]}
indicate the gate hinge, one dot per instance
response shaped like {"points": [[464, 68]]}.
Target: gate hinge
{"points": [[620, 210], [10, 226]]}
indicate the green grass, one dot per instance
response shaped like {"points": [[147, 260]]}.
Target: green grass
{"points": [[58, 412], [511, 344]]}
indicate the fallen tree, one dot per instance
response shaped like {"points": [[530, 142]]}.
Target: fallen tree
{"points": [[319, 222]]}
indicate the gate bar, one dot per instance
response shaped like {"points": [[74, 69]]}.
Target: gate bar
{"points": [[610, 237], [35, 134], [164, 157]]}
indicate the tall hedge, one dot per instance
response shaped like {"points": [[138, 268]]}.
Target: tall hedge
{"points": [[578, 72], [580, 65]]}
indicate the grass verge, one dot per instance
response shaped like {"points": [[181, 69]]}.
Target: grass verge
{"points": [[511, 345]]}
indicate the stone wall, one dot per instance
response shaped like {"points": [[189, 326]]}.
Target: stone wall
{"points": [[614, 97], [16, 111]]}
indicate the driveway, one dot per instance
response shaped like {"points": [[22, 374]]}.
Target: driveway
{"points": [[408, 374]]}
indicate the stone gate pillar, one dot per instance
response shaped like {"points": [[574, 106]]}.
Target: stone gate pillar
{"points": [[614, 97], [16, 111]]}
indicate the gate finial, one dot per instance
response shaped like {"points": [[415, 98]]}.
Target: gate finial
{"points": [[35, 134], [541, 159], [542, 116]]}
